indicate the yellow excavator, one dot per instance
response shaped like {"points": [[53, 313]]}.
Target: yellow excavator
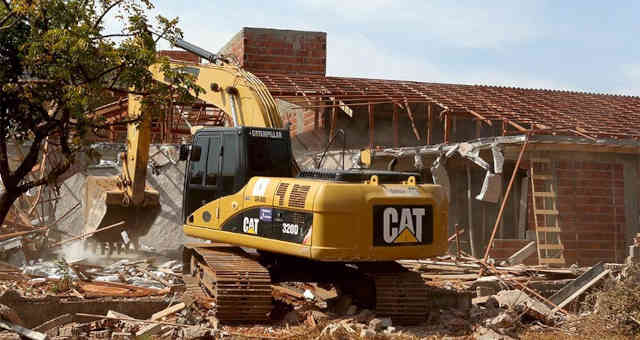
{"points": [[266, 221]]}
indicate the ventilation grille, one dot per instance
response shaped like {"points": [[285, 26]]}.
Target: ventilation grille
{"points": [[297, 218], [298, 195], [280, 191]]}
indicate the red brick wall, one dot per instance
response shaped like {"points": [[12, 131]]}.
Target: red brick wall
{"points": [[279, 51], [312, 136], [591, 207], [180, 55]]}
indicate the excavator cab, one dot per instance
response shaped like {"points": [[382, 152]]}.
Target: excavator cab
{"points": [[222, 160]]}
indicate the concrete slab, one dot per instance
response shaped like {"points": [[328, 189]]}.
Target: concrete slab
{"points": [[36, 311]]}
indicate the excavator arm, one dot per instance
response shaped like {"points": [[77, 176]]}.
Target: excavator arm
{"points": [[240, 94]]}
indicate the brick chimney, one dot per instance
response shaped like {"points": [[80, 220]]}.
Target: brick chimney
{"points": [[279, 51]]}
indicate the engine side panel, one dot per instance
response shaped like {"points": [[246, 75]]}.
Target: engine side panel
{"points": [[329, 221]]}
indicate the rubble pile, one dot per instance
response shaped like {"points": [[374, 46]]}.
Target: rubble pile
{"points": [[142, 296], [508, 300], [124, 278]]}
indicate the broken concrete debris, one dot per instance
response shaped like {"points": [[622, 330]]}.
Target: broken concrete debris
{"points": [[469, 296], [502, 307]]}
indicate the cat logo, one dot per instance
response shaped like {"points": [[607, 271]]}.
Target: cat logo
{"points": [[402, 225], [250, 225]]}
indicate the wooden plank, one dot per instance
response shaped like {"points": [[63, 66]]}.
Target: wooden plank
{"points": [[472, 232], [413, 122], [543, 177], [396, 130], [524, 202], [443, 268], [114, 314], [87, 234], [155, 277], [447, 127], [572, 290], [429, 124], [504, 201], [545, 212], [55, 323], [168, 311], [169, 271], [480, 299], [551, 260], [450, 276], [287, 291], [545, 194], [551, 246], [627, 149], [316, 118], [322, 293], [371, 127], [99, 317], [522, 254], [22, 233], [334, 118], [455, 235], [147, 332], [103, 289], [548, 229], [28, 333]]}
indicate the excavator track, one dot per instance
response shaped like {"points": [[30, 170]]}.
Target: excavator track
{"points": [[238, 286], [400, 294]]}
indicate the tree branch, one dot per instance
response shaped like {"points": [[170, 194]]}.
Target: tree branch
{"points": [[107, 10], [50, 177], [4, 157], [6, 4], [7, 17], [108, 125], [107, 71], [116, 78], [102, 74], [31, 158], [115, 35], [122, 91], [161, 35]]}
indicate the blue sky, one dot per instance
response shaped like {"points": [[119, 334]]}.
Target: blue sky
{"points": [[572, 45]]}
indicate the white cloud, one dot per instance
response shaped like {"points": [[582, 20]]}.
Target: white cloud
{"points": [[363, 36], [484, 25], [356, 56], [631, 76], [632, 71]]}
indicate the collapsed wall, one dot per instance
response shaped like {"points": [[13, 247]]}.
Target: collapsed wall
{"points": [[165, 231]]}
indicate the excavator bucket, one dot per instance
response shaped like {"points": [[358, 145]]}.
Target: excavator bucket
{"points": [[107, 204], [113, 199]]}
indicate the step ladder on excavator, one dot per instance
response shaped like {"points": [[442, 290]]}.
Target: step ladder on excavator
{"points": [[545, 212]]}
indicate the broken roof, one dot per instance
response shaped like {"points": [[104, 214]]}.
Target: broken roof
{"points": [[563, 112]]}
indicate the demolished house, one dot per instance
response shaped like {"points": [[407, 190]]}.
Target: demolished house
{"points": [[574, 192]]}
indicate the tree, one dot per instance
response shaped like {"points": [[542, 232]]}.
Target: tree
{"points": [[58, 63]]}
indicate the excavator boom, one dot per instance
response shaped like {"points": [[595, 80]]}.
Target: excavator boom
{"points": [[240, 94], [243, 98]]}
